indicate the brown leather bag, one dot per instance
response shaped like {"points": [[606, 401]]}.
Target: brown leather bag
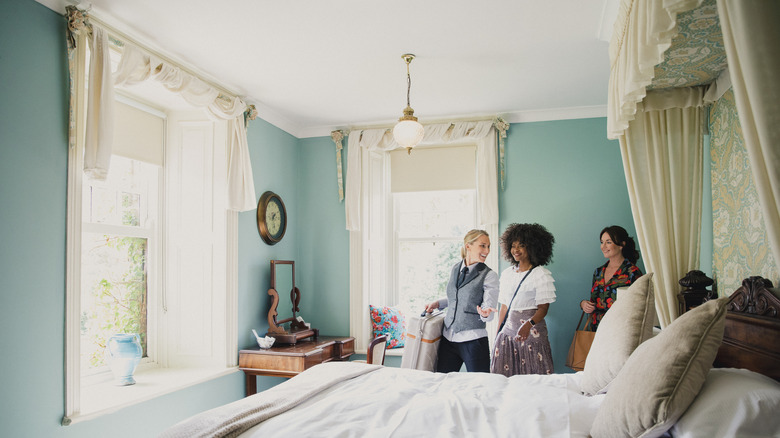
{"points": [[580, 346]]}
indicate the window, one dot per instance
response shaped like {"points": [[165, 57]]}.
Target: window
{"points": [[415, 211], [119, 235], [429, 228], [384, 184], [151, 250]]}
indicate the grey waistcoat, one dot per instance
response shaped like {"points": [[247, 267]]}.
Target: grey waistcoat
{"points": [[462, 302]]}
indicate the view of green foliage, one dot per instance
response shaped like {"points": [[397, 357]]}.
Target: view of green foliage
{"points": [[121, 302]]}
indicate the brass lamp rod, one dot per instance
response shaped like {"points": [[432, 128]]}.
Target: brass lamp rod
{"points": [[408, 58]]}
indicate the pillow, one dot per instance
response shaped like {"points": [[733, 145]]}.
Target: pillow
{"points": [[388, 321], [732, 402], [662, 377], [628, 323]]}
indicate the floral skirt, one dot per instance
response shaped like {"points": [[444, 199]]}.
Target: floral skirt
{"points": [[512, 356]]}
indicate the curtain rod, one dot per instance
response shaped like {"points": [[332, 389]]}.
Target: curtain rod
{"points": [[127, 39]]}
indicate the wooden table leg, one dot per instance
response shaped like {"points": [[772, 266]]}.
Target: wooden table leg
{"points": [[250, 383]]}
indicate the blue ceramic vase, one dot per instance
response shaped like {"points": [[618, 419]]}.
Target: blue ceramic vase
{"points": [[123, 352]]}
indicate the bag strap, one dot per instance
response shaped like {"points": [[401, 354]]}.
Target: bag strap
{"points": [[587, 323], [509, 307]]}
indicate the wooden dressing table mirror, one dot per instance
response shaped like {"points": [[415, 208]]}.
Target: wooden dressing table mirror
{"points": [[283, 278], [297, 347]]}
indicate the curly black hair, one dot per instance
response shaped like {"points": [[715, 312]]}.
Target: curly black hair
{"points": [[620, 237], [537, 240]]}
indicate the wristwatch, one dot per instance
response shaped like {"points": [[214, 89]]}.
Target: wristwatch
{"points": [[533, 323]]}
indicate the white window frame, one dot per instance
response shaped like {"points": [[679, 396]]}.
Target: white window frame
{"points": [[163, 380], [372, 245]]}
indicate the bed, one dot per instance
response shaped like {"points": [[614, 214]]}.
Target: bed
{"points": [[677, 393]]}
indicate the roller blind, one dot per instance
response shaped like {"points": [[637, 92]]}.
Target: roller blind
{"points": [[433, 168], [138, 134]]}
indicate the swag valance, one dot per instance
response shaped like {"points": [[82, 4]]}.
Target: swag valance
{"points": [[483, 133], [138, 65]]}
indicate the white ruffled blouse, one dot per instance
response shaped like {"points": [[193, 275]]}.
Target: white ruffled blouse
{"points": [[538, 288]]}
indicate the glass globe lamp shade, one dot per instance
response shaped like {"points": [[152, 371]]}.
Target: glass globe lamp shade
{"points": [[407, 133]]}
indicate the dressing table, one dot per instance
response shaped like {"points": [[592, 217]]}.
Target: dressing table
{"points": [[298, 347]]}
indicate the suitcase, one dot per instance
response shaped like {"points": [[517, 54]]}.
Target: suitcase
{"points": [[422, 341]]}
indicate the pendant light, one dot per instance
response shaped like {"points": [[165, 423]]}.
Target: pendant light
{"points": [[408, 131]]}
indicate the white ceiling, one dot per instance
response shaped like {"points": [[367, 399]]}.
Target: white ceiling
{"points": [[311, 66]]}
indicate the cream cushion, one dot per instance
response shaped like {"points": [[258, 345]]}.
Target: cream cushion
{"points": [[663, 376], [628, 323]]}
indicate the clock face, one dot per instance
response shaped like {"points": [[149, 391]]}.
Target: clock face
{"points": [[271, 218]]}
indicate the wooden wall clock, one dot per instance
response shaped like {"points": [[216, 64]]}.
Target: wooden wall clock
{"points": [[271, 218]]}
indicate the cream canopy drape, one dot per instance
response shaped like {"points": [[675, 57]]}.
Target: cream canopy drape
{"points": [[644, 29], [751, 35], [662, 157], [661, 145]]}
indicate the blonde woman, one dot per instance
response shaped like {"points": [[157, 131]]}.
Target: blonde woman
{"points": [[472, 294]]}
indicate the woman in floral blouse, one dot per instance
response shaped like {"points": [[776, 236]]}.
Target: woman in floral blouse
{"points": [[619, 271]]}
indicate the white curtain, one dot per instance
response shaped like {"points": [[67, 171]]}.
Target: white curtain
{"points": [[137, 66], [99, 135], [643, 31], [662, 159], [751, 35]]}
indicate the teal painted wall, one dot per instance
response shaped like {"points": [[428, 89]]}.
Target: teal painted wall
{"points": [[323, 251], [568, 177]]}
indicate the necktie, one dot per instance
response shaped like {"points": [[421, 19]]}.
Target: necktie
{"points": [[462, 278]]}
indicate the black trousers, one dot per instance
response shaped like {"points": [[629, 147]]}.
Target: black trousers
{"points": [[475, 354]]}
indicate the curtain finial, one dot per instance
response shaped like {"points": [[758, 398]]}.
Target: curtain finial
{"points": [[78, 22]]}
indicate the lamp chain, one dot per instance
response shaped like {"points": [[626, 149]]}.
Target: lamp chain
{"points": [[408, 83]]}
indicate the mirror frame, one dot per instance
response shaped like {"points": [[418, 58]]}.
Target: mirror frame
{"points": [[298, 329]]}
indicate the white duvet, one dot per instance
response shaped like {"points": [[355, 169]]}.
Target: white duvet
{"points": [[394, 402]]}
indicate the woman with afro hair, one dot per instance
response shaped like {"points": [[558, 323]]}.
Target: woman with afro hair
{"points": [[526, 289]]}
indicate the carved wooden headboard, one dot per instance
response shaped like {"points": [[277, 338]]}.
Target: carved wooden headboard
{"points": [[751, 338]]}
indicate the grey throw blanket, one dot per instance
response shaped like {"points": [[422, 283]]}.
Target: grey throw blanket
{"points": [[235, 418]]}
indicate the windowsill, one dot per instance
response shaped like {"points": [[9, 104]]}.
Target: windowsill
{"points": [[106, 397]]}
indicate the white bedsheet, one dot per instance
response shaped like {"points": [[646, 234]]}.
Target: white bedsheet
{"points": [[394, 402]]}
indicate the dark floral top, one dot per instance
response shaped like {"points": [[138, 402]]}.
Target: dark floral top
{"points": [[604, 294]]}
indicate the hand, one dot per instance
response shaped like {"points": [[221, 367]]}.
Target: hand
{"points": [[524, 331], [430, 307], [486, 312], [587, 306]]}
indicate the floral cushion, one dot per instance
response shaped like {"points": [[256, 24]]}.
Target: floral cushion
{"points": [[388, 321]]}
